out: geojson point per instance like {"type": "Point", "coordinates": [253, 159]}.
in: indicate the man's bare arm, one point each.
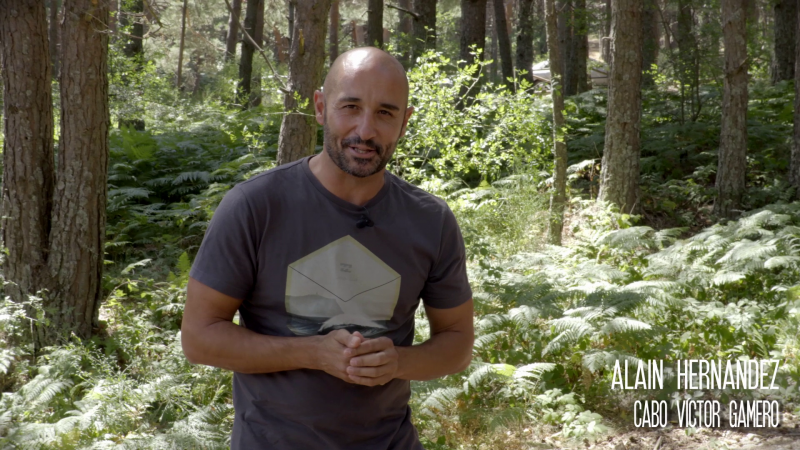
{"type": "Point", "coordinates": [208, 336]}
{"type": "Point", "coordinates": [449, 350]}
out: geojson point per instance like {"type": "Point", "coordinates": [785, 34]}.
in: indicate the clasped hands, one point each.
{"type": "Point", "coordinates": [358, 360]}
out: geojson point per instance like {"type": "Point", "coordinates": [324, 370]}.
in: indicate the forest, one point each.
{"type": "Point", "coordinates": [625, 175]}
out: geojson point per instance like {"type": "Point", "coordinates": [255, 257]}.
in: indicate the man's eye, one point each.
{"type": "Point", "coordinates": [385, 112]}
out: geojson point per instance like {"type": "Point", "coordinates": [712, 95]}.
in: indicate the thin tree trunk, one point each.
{"type": "Point", "coordinates": [732, 164]}
{"type": "Point", "coordinates": [292, 6]}
{"type": "Point", "coordinates": [423, 29]}
{"type": "Point", "coordinates": [28, 165]}
{"type": "Point", "coordinates": [567, 46]}
{"type": "Point", "coordinates": [619, 179]}
{"type": "Point", "coordinates": [650, 37]}
{"type": "Point", "coordinates": [794, 161]}
{"type": "Point", "coordinates": [375, 23]}
{"type": "Point", "coordinates": [525, 40]}
{"type": "Point", "coordinates": [785, 40]}
{"type": "Point", "coordinates": [404, 27]}
{"type": "Point", "coordinates": [473, 38]}
{"type": "Point", "coordinates": [333, 32]}
{"type": "Point", "coordinates": [605, 44]}
{"type": "Point", "coordinates": [55, 5]}
{"type": "Point", "coordinates": [298, 136]}
{"type": "Point", "coordinates": [254, 26]}
{"type": "Point", "coordinates": [134, 51]}
{"type": "Point", "coordinates": [179, 80]}
{"type": "Point", "coordinates": [501, 25]}
{"type": "Point", "coordinates": [493, 55]}
{"type": "Point", "coordinates": [558, 196]}
{"type": "Point", "coordinates": [580, 41]}
{"type": "Point", "coordinates": [233, 30]}
{"type": "Point", "coordinates": [79, 206]}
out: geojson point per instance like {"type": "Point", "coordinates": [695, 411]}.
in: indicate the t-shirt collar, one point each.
{"type": "Point", "coordinates": [387, 181]}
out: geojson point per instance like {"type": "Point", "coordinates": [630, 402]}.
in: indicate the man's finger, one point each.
{"type": "Point", "coordinates": [369, 381]}
{"type": "Point", "coordinates": [370, 360]}
{"type": "Point", "coordinates": [370, 346]}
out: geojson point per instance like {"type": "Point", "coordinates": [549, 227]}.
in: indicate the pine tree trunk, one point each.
{"type": "Point", "coordinates": [619, 180]}
{"type": "Point", "coordinates": [423, 29]}
{"type": "Point", "coordinates": [605, 44]}
{"type": "Point", "coordinates": [732, 165]}
{"type": "Point", "coordinates": [55, 5]}
{"type": "Point", "coordinates": [298, 136]}
{"type": "Point", "coordinates": [375, 23]}
{"type": "Point", "coordinates": [785, 40]}
{"type": "Point", "coordinates": [567, 46]}
{"type": "Point", "coordinates": [28, 164]}
{"type": "Point", "coordinates": [650, 37]}
{"type": "Point", "coordinates": [133, 50]}
{"type": "Point", "coordinates": [79, 205]}
{"type": "Point", "coordinates": [580, 41]}
{"type": "Point", "coordinates": [179, 78]}
{"type": "Point", "coordinates": [493, 52]}
{"type": "Point", "coordinates": [254, 26]}
{"type": "Point", "coordinates": [501, 25]}
{"type": "Point", "coordinates": [794, 162]}
{"type": "Point", "coordinates": [404, 27]}
{"type": "Point", "coordinates": [333, 32]}
{"type": "Point", "coordinates": [233, 30]}
{"type": "Point", "coordinates": [473, 40]}
{"type": "Point", "coordinates": [558, 196]}
{"type": "Point", "coordinates": [525, 40]}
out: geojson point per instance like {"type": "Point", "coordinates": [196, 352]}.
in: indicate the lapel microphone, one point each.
{"type": "Point", "coordinates": [364, 221]}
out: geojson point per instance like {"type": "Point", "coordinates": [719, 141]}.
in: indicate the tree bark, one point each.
{"type": "Point", "coordinates": [580, 41]}
{"type": "Point", "coordinates": [558, 196]}
{"type": "Point", "coordinates": [423, 28]}
{"type": "Point", "coordinates": [473, 39]}
{"type": "Point", "coordinates": [134, 51]}
{"type": "Point", "coordinates": [55, 5]}
{"type": "Point", "coordinates": [650, 37]}
{"type": "Point", "coordinates": [298, 136]}
{"type": "Point", "coordinates": [179, 80]}
{"type": "Point", "coordinates": [233, 30]}
{"type": "Point", "coordinates": [333, 32]}
{"type": "Point", "coordinates": [619, 180]}
{"type": "Point", "coordinates": [492, 50]}
{"type": "Point", "coordinates": [785, 40]}
{"type": "Point", "coordinates": [254, 26]}
{"type": "Point", "coordinates": [501, 25]}
{"type": "Point", "coordinates": [732, 164]}
{"type": "Point", "coordinates": [794, 161]}
{"type": "Point", "coordinates": [28, 164]}
{"type": "Point", "coordinates": [525, 40]}
{"type": "Point", "coordinates": [375, 23]}
{"type": "Point", "coordinates": [405, 25]}
{"type": "Point", "coordinates": [79, 205]}
{"type": "Point", "coordinates": [605, 44]}
{"type": "Point", "coordinates": [566, 46]}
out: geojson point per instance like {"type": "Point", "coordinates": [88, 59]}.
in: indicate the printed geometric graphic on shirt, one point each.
{"type": "Point", "coordinates": [341, 285]}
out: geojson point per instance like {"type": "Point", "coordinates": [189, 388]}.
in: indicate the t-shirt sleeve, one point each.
{"type": "Point", "coordinates": [227, 259]}
{"type": "Point", "coordinates": [447, 285]}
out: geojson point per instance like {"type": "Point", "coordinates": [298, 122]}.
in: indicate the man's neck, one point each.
{"type": "Point", "coordinates": [355, 190]}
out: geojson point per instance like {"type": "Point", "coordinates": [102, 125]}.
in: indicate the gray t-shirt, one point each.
{"type": "Point", "coordinates": [292, 251]}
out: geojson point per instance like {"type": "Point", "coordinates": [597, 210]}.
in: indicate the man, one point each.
{"type": "Point", "coordinates": [326, 259]}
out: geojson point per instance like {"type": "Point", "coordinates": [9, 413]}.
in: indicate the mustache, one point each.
{"type": "Point", "coordinates": [355, 140]}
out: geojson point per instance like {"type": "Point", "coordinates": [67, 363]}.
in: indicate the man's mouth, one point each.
{"type": "Point", "coordinates": [362, 151]}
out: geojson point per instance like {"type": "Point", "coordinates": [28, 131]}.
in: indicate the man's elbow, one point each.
{"type": "Point", "coordinates": [190, 347]}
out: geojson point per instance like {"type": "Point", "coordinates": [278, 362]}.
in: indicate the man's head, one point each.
{"type": "Point", "coordinates": [363, 110]}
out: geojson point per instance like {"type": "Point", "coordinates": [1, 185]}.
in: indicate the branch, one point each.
{"type": "Point", "coordinates": [407, 11]}
{"type": "Point", "coordinates": [283, 88]}
{"type": "Point", "coordinates": [153, 13]}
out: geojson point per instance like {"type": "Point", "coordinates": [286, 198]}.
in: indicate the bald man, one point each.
{"type": "Point", "coordinates": [326, 260]}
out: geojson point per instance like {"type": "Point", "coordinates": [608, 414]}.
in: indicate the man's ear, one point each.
{"type": "Point", "coordinates": [319, 107]}
{"type": "Point", "coordinates": [409, 111]}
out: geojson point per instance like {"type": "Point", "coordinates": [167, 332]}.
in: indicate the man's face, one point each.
{"type": "Point", "coordinates": [363, 119]}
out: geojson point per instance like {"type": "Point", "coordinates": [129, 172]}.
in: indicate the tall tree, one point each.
{"type": "Point", "coordinates": [233, 30]}
{"type": "Point", "coordinates": [619, 179]}
{"type": "Point", "coordinates": [423, 29]}
{"type": "Point", "coordinates": [375, 23]}
{"type": "Point", "coordinates": [688, 63]}
{"type": "Point", "coordinates": [504, 43]}
{"type": "Point", "coordinates": [794, 161]}
{"type": "Point", "coordinates": [55, 5]}
{"type": "Point", "coordinates": [179, 78]}
{"type": "Point", "coordinates": [333, 33]}
{"type": "Point", "coordinates": [605, 43]}
{"type": "Point", "coordinates": [28, 164]}
{"type": "Point", "coordinates": [580, 42]}
{"type": "Point", "coordinates": [650, 37]}
{"type": "Point", "coordinates": [132, 18]}
{"type": "Point", "coordinates": [566, 46]}
{"type": "Point", "coordinates": [525, 39]}
{"type": "Point", "coordinates": [298, 135]}
{"type": "Point", "coordinates": [785, 40]}
{"type": "Point", "coordinates": [558, 196]}
{"type": "Point", "coordinates": [473, 36]}
{"type": "Point", "coordinates": [254, 27]}
{"type": "Point", "coordinates": [732, 163]}
{"type": "Point", "coordinates": [405, 25]}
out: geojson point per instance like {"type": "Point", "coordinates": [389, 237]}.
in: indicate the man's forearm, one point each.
{"type": "Point", "coordinates": [444, 353]}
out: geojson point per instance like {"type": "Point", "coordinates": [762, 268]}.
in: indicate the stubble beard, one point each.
{"type": "Point", "coordinates": [358, 167]}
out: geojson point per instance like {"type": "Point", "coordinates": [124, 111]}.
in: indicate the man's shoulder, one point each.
{"type": "Point", "coordinates": [417, 197]}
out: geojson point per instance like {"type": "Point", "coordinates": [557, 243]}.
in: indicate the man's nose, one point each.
{"type": "Point", "coordinates": [366, 127]}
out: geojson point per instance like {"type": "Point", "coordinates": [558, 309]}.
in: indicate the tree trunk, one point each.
{"type": "Point", "coordinates": [79, 203]}
{"type": "Point", "coordinates": [55, 5]}
{"type": "Point", "coordinates": [619, 180]}
{"type": "Point", "coordinates": [566, 46]}
{"type": "Point", "coordinates": [794, 161]}
{"type": "Point", "coordinates": [179, 80]}
{"type": "Point", "coordinates": [291, 7]}
{"type": "Point", "coordinates": [525, 40]}
{"type": "Point", "coordinates": [405, 25]}
{"type": "Point", "coordinates": [650, 37]}
{"type": "Point", "coordinates": [605, 44]}
{"type": "Point", "coordinates": [493, 56]}
{"type": "Point", "coordinates": [580, 41]}
{"type": "Point", "coordinates": [134, 51]}
{"type": "Point", "coordinates": [28, 165]}
{"type": "Point", "coordinates": [785, 40]}
{"type": "Point", "coordinates": [732, 165]}
{"type": "Point", "coordinates": [254, 26]}
{"type": "Point", "coordinates": [298, 136]}
{"type": "Point", "coordinates": [333, 32]}
{"type": "Point", "coordinates": [233, 30]}
{"type": "Point", "coordinates": [375, 23]}
{"type": "Point", "coordinates": [473, 39]}
{"type": "Point", "coordinates": [688, 63]}
{"type": "Point", "coordinates": [501, 25]}
{"type": "Point", "coordinates": [423, 29]}
{"type": "Point", "coordinates": [558, 196]}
